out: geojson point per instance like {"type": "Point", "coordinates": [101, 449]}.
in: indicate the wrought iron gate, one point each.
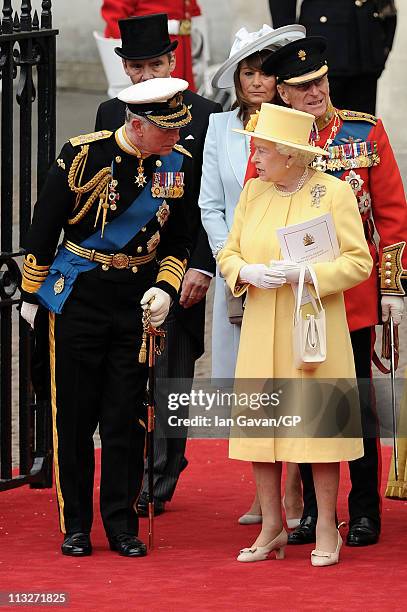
{"type": "Point", "coordinates": [28, 77]}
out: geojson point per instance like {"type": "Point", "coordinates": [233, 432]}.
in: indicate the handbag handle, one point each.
{"type": "Point", "coordinates": [301, 282]}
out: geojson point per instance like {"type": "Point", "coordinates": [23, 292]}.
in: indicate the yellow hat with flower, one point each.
{"type": "Point", "coordinates": [283, 125]}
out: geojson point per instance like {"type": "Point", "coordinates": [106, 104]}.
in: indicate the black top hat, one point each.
{"type": "Point", "coordinates": [298, 62]}
{"type": "Point", "coordinates": [145, 37]}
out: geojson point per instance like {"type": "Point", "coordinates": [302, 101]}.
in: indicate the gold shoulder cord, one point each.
{"type": "Point", "coordinates": [98, 183]}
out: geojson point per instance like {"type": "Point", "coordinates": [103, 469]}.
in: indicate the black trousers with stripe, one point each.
{"type": "Point", "coordinates": [96, 379]}
{"type": "Point", "coordinates": [176, 362]}
{"type": "Point", "coordinates": [364, 498]}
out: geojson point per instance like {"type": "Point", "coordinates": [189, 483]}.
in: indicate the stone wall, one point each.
{"type": "Point", "coordinates": [79, 66]}
{"type": "Point", "coordinates": [78, 61]}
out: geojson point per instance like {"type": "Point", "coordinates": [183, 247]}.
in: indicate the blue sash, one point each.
{"type": "Point", "coordinates": [116, 235]}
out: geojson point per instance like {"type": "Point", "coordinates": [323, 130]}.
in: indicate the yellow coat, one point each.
{"type": "Point", "coordinates": [265, 350]}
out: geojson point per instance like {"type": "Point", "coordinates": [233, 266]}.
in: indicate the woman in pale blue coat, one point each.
{"type": "Point", "coordinates": [223, 173]}
{"type": "Point", "coordinates": [225, 161]}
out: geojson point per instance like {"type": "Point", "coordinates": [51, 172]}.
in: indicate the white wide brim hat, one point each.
{"type": "Point", "coordinates": [247, 43]}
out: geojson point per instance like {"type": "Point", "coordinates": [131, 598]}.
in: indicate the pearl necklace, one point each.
{"type": "Point", "coordinates": [287, 194]}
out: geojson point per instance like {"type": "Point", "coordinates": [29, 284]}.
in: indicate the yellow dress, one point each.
{"type": "Point", "coordinates": [265, 350]}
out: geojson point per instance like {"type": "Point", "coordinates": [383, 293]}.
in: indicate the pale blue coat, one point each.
{"type": "Point", "coordinates": [224, 168]}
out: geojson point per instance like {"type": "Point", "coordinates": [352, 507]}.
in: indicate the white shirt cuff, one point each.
{"type": "Point", "coordinates": [203, 272]}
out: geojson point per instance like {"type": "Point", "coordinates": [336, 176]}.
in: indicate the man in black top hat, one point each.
{"type": "Point", "coordinates": [147, 53]}
{"type": "Point", "coordinates": [360, 36]}
{"type": "Point", "coordinates": [360, 154]}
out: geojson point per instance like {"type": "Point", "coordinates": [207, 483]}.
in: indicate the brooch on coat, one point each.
{"type": "Point", "coordinates": [317, 192]}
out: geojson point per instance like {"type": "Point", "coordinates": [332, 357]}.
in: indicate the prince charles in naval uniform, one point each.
{"type": "Point", "coordinates": [120, 199]}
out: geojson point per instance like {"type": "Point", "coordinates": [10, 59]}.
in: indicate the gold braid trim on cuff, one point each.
{"type": "Point", "coordinates": [30, 261]}
{"type": "Point", "coordinates": [30, 286]}
{"type": "Point", "coordinates": [391, 271]}
{"type": "Point", "coordinates": [172, 271]}
{"type": "Point", "coordinates": [33, 274]}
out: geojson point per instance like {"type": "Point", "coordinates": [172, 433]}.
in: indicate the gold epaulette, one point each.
{"type": "Point", "coordinates": [349, 115]}
{"type": "Point", "coordinates": [181, 149]}
{"type": "Point", "coordinates": [87, 138]}
{"type": "Point", "coordinates": [391, 270]}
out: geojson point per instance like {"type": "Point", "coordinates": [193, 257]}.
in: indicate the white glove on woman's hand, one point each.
{"type": "Point", "coordinates": [291, 270]}
{"type": "Point", "coordinates": [28, 312]}
{"type": "Point", "coordinates": [392, 305]}
{"type": "Point", "coordinates": [261, 276]}
{"type": "Point", "coordinates": [159, 306]}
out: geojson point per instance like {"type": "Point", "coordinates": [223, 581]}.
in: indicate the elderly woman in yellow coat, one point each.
{"type": "Point", "coordinates": [282, 195]}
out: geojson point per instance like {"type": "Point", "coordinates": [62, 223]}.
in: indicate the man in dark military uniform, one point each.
{"type": "Point", "coordinates": [120, 199]}
{"type": "Point", "coordinates": [360, 36]}
{"type": "Point", "coordinates": [147, 52]}
{"type": "Point", "coordinates": [359, 153]}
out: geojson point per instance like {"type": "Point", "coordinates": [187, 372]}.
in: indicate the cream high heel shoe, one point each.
{"type": "Point", "coordinates": [261, 553]}
{"type": "Point", "coordinates": [320, 558]}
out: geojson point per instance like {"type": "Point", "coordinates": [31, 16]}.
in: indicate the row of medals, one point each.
{"type": "Point", "coordinates": [164, 184]}
{"type": "Point", "coordinates": [336, 163]}
{"type": "Point", "coordinates": [361, 161]}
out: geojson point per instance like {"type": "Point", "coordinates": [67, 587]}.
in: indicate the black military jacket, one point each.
{"type": "Point", "coordinates": [359, 32]}
{"type": "Point", "coordinates": [58, 210]}
{"type": "Point", "coordinates": [110, 116]}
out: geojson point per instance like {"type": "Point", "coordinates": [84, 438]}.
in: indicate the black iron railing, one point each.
{"type": "Point", "coordinates": [28, 78]}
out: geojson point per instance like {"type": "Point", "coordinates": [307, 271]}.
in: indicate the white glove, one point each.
{"type": "Point", "coordinates": [159, 307]}
{"type": "Point", "coordinates": [392, 305]}
{"type": "Point", "coordinates": [290, 269]}
{"type": "Point", "coordinates": [261, 276]}
{"type": "Point", "coordinates": [28, 312]}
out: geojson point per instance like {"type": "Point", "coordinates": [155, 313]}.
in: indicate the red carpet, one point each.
{"type": "Point", "coordinates": [193, 564]}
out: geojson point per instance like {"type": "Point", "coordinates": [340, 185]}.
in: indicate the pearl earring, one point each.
{"type": "Point", "coordinates": [287, 165]}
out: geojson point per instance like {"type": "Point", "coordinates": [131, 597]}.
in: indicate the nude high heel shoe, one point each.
{"type": "Point", "coordinates": [320, 558]}
{"type": "Point", "coordinates": [261, 553]}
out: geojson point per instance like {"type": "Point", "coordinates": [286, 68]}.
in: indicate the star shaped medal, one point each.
{"type": "Point", "coordinates": [140, 179]}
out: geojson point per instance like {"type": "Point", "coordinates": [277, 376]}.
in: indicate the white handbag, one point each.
{"type": "Point", "coordinates": [309, 333]}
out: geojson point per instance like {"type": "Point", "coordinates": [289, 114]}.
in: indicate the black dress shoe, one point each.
{"type": "Point", "coordinates": [362, 532]}
{"type": "Point", "coordinates": [77, 545]}
{"type": "Point", "coordinates": [305, 532]}
{"type": "Point", "coordinates": [142, 506]}
{"type": "Point", "coordinates": [128, 545]}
